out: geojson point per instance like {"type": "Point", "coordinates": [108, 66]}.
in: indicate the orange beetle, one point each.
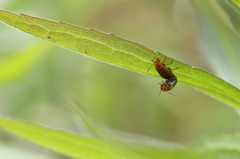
{"type": "Point", "coordinates": [169, 84]}
{"type": "Point", "coordinates": [166, 73]}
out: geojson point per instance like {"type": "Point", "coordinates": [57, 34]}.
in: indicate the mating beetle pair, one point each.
{"type": "Point", "coordinates": [166, 73]}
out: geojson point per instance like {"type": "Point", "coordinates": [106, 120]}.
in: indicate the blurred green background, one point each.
{"type": "Point", "coordinates": [39, 80]}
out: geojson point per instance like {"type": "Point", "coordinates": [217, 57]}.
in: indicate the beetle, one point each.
{"type": "Point", "coordinates": [169, 84]}
{"type": "Point", "coordinates": [163, 71]}
{"type": "Point", "coordinates": [166, 73]}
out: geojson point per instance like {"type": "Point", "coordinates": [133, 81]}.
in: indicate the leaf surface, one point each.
{"type": "Point", "coordinates": [225, 144]}
{"type": "Point", "coordinates": [65, 143]}
{"type": "Point", "coordinates": [120, 52]}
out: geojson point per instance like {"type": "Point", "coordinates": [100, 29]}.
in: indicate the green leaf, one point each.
{"type": "Point", "coordinates": [219, 41]}
{"type": "Point", "coordinates": [144, 145]}
{"type": "Point", "coordinates": [14, 65]}
{"type": "Point", "coordinates": [224, 145]}
{"type": "Point", "coordinates": [66, 143]}
{"type": "Point", "coordinates": [120, 52]}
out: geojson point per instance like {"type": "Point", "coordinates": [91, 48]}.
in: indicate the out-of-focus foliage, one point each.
{"type": "Point", "coordinates": [225, 145]}
{"type": "Point", "coordinates": [219, 41]}
{"type": "Point", "coordinates": [232, 10]}
{"type": "Point", "coordinates": [14, 65]}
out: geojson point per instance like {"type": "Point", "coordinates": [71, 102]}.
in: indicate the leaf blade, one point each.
{"type": "Point", "coordinates": [120, 52]}
{"type": "Point", "coordinates": [65, 143]}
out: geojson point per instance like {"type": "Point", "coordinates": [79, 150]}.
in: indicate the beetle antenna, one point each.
{"type": "Point", "coordinates": [174, 69]}
{"type": "Point", "coordinates": [159, 93]}
{"type": "Point", "coordinates": [151, 66]}
{"type": "Point", "coordinates": [164, 60]}
{"type": "Point", "coordinates": [171, 94]}
{"type": "Point", "coordinates": [160, 88]}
